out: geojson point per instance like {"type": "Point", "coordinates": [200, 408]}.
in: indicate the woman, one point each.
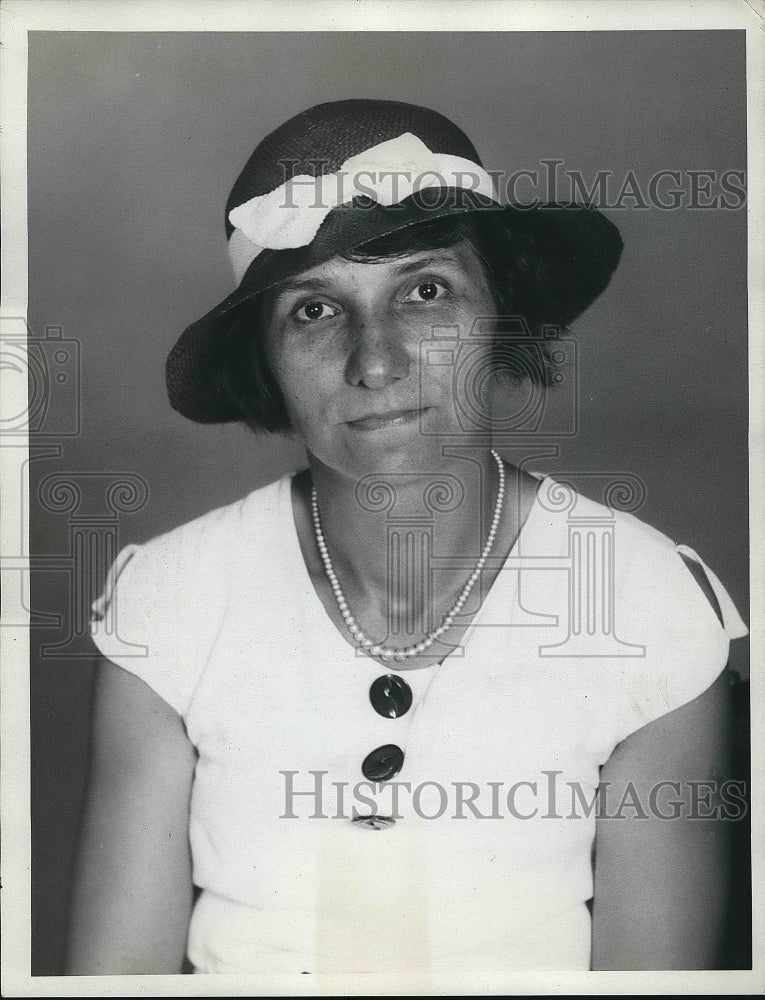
{"type": "Point", "coordinates": [366, 709]}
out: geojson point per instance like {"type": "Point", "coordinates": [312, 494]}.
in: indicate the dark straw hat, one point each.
{"type": "Point", "coordinates": [342, 174]}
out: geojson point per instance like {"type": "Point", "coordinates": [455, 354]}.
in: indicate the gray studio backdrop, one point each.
{"type": "Point", "coordinates": [134, 141]}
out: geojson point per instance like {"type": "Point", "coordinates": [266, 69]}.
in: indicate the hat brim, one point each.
{"type": "Point", "coordinates": [580, 246]}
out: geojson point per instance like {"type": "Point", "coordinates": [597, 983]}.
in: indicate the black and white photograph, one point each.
{"type": "Point", "coordinates": [376, 462]}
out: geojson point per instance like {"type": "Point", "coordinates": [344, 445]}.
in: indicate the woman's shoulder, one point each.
{"type": "Point", "coordinates": [667, 616]}
{"type": "Point", "coordinates": [568, 510]}
{"type": "Point", "coordinates": [218, 530]}
{"type": "Point", "coordinates": [192, 562]}
{"type": "Point", "coordinates": [164, 600]}
{"type": "Point", "coordinates": [649, 567]}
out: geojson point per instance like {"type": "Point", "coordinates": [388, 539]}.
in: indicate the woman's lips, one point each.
{"type": "Point", "coordinates": [393, 418]}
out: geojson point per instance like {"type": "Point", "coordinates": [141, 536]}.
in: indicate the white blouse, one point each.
{"type": "Point", "coordinates": [593, 628]}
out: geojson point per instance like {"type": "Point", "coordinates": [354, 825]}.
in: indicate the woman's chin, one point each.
{"type": "Point", "coordinates": [417, 454]}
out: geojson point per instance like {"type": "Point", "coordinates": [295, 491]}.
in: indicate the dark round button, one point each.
{"type": "Point", "coordinates": [391, 696]}
{"type": "Point", "coordinates": [382, 763]}
{"type": "Point", "coordinates": [373, 822]}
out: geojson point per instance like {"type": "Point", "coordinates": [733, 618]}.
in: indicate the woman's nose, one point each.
{"type": "Point", "coordinates": [378, 353]}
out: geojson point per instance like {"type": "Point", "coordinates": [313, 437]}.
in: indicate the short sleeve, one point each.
{"type": "Point", "coordinates": [680, 643]}
{"type": "Point", "coordinates": [145, 619]}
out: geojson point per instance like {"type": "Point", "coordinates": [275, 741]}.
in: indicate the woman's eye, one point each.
{"type": "Point", "coordinates": [426, 291]}
{"type": "Point", "coordinates": [312, 311]}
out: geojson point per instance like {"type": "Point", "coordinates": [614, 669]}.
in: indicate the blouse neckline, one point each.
{"type": "Point", "coordinates": [328, 632]}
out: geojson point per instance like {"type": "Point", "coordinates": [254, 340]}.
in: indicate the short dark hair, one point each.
{"type": "Point", "coordinates": [515, 270]}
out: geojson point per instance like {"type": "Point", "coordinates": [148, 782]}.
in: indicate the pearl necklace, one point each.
{"type": "Point", "coordinates": [387, 652]}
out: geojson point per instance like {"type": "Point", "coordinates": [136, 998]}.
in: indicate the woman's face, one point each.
{"type": "Point", "coordinates": [348, 345]}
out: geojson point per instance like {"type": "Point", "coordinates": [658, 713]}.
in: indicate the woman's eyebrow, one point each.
{"type": "Point", "coordinates": [407, 267]}
{"type": "Point", "coordinates": [438, 259]}
{"type": "Point", "coordinates": [300, 285]}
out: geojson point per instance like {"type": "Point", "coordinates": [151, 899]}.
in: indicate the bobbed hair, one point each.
{"type": "Point", "coordinates": [516, 271]}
